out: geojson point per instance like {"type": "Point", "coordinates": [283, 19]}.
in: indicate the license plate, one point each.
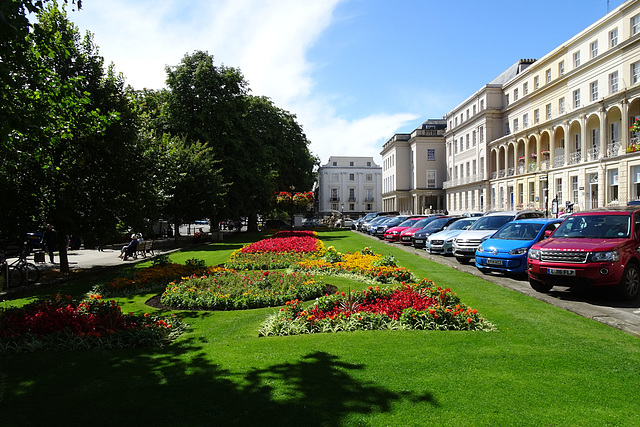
{"type": "Point", "coordinates": [419, 241]}
{"type": "Point", "coordinates": [561, 272]}
{"type": "Point", "coordinates": [494, 262]}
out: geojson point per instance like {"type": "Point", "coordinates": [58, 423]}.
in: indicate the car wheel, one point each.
{"type": "Point", "coordinates": [539, 286]}
{"type": "Point", "coordinates": [630, 284]}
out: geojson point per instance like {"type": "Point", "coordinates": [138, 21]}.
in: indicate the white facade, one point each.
{"type": "Point", "coordinates": [349, 185]}
{"type": "Point", "coordinates": [553, 128]}
{"type": "Point", "coordinates": [413, 170]}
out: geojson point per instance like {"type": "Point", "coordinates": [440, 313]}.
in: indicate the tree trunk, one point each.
{"type": "Point", "coordinates": [62, 253]}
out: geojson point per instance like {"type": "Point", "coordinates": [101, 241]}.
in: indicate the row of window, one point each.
{"type": "Point", "coordinates": [334, 177]}
{"type": "Point", "coordinates": [594, 94]}
{"type": "Point", "coordinates": [454, 121]}
{"type": "Point", "coordinates": [389, 162]}
{"type": "Point", "coordinates": [467, 141]}
{"type": "Point", "coordinates": [351, 207]}
{"type": "Point", "coordinates": [334, 194]}
{"type": "Point", "coordinates": [470, 167]}
{"type": "Point", "coordinates": [351, 164]}
{"type": "Point", "coordinates": [593, 53]}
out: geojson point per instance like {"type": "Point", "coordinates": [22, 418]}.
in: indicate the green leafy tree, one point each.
{"type": "Point", "coordinates": [74, 158]}
{"type": "Point", "coordinates": [260, 147]}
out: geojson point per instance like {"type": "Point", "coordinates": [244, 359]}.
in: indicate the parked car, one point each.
{"type": "Point", "coordinates": [506, 250]}
{"type": "Point", "coordinates": [465, 245]}
{"type": "Point", "coordinates": [419, 239]}
{"type": "Point", "coordinates": [442, 242]}
{"type": "Point", "coordinates": [594, 248]}
{"type": "Point", "coordinates": [276, 224]}
{"type": "Point", "coordinates": [374, 222]}
{"type": "Point", "coordinates": [311, 223]}
{"type": "Point", "coordinates": [406, 235]}
{"type": "Point", "coordinates": [382, 227]}
{"type": "Point", "coordinates": [371, 216]}
{"type": "Point", "coordinates": [393, 234]}
{"type": "Point", "coordinates": [344, 223]}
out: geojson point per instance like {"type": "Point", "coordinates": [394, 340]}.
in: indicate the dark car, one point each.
{"type": "Point", "coordinates": [419, 238]}
{"type": "Point", "coordinates": [276, 224]}
{"type": "Point", "coordinates": [393, 222]}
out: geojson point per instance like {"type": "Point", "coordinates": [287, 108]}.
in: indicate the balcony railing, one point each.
{"type": "Point", "coordinates": [502, 173]}
{"type": "Point", "coordinates": [532, 166]}
{"type": "Point", "coordinates": [352, 199]}
{"type": "Point", "coordinates": [593, 154]}
{"type": "Point", "coordinates": [558, 161]}
{"type": "Point", "coordinates": [520, 169]}
{"type": "Point", "coordinates": [574, 158]}
{"type": "Point", "coordinates": [613, 148]}
{"type": "Point", "coordinates": [334, 199]}
{"type": "Point", "coordinates": [494, 175]}
{"type": "Point", "coordinates": [544, 165]}
{"type": "Point", "coordinates": [511, 171]}
{"type": "Point", "coordinates": [369, 199]}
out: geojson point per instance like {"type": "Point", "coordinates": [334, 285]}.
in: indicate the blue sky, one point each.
{"type": "Point", "coordinates": [354, 72]}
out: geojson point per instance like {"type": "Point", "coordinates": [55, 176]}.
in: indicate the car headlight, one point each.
{"type": "Point", "coordinates": [518, 251]}
{"type": "Point", "coordinates": [485, 238]}
{"type": "Point", "coordinates": [608, 256]}
{"type": "Point", "coordinates": [534, 253]}
{"type": "Point", "coordinates": [480, 249]}
{"type": "Point", "coordinates": [449, 240]}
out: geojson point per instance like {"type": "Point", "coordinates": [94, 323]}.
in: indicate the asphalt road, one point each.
{"type": "Point", "coordinates": [601, 305]}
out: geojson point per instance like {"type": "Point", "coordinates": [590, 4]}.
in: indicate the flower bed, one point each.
{"type": "Point", "coordinates": [286, 241]}
{"type": "Point", "coordinates": [62, 323]}
{"type": "Point", "coordinates": [417, 306]}
{"type": "Point", "coordinates": [154, 277]}
{"type": "Point", "coordinates": [233, 290]}
{"type": "Point", "coordinates": [282, 250]}
{"type": "Point", "coordinates": [364, 264]}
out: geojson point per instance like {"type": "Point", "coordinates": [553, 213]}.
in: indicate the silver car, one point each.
{"type": "Point", "coordinates": [442, 242]}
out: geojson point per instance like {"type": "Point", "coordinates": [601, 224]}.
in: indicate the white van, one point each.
{"type": "Point", "coordinates": [465, 245]}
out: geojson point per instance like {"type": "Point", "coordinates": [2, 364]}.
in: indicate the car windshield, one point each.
{"type": "Point", "coordinates": [518, 231]}
{"type": "Point", "coordinates": [424, 221]}
{"type": "Point", "coordinates": [394, 221]}
{"type": "Point", "coordinates": [437, 224]}
{"type": "Point", "coordinates": [492, 222]}
{"type": "Point", "coordinates": [409, 222]}
{"type": "Point", "coordinates": [595, 227]}
{"type": "Point", "coordinates": [462, 224]}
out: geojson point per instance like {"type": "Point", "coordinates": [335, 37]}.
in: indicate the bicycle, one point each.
{"type": "Point", "coordinates": [19, 271]}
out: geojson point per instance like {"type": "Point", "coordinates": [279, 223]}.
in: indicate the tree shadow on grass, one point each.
{"type": "Point", "coordinates": [181, 385]}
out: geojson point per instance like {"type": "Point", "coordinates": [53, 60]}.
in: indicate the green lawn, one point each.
{"type": "Point", "coordinates": [544, 366]}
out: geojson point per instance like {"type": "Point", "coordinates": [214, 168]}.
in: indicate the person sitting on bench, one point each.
{"type": "Point", "coordinates": [130, 249]}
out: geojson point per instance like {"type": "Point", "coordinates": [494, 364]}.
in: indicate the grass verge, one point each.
{"type": "Point", "coordinates": [544, 366]}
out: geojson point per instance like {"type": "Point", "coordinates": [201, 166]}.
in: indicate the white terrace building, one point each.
{"type": "Point", "coordinates": [413, 169]}
{"type": "Point", "coordinates": [553, 128]}
{"type": "Point", "coordinates": [349, 185]}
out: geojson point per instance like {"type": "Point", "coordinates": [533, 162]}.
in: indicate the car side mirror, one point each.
{"type": "Point", "coordinates": [547, 234]}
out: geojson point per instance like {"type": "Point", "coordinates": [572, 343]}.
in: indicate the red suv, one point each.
{"type": "Point", "coordinates": [597, 248]}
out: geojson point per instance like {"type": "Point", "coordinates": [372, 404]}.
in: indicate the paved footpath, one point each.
{"type": "Point", "coordinates": [86, 259]}
{"type": "Point", "coordinates": [600, 305]}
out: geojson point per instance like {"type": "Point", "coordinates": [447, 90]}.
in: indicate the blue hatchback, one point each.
{"type": "Point", "coordinates": [506, 250]}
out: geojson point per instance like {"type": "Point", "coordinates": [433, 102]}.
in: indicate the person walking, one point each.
{"type": "Point", "coordinates": [50, 240]}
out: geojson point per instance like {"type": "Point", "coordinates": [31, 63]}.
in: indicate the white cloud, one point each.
{"type": "Point", "coordinates": [267, 40]}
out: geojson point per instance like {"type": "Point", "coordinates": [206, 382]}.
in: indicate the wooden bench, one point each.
{"type": "Point", "coordinates": [144, 248]}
